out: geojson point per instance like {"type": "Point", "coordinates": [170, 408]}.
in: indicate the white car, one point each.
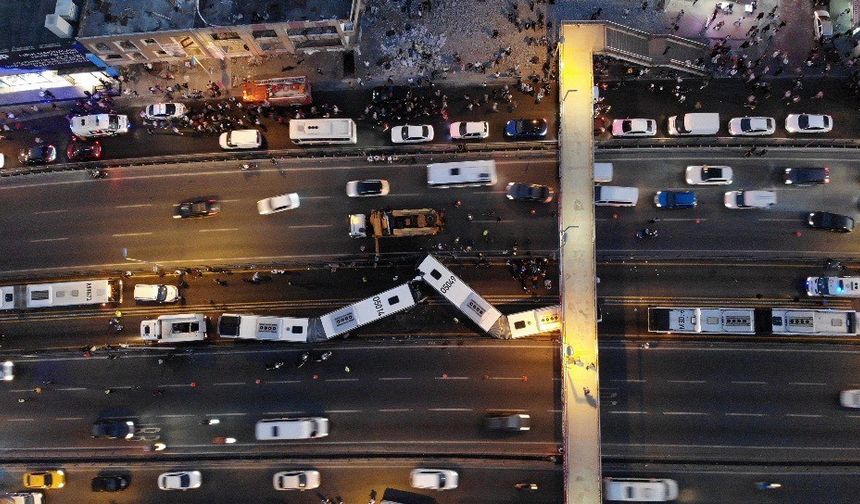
{"type": "Point", "coordinates": [808, 123]}
{"type": "Point", "coordinates": [278, 429]}
{"type": "Point", "coordinates": [411, 134]}
{"type": "Point", "coordinates": [822, 24]}
{"type": "Point", "coordinates": [640, 489]}
{"type": "Point", "coordinates": [469, 130]}
{"type": "Point", "coordinates": [159, 293]}
{"type": "Point", "coordinates": [180, 480]}
{"type": "Point", "coordinates": [367, 188]}
{"type": "Point", "coordinates": [831, 286]}
{"type": "Point", "coordinates": [7, 371]}
{"type": "Point", "coordinates": [296, 480]}
{"type": "Point", "coordinates": [709, 175]}
{"type": "Point", "coordinates": [22, 498]}
{"type": "Point", "coordinates": [739, 200]}
{"type": "Point", "coordinates": [850, 398]}
{"type": "Point", "coordinates": [161, 111]}
{"type": "Point", "coordinates": [278, 203]}
{"type": "Point", "coordinates": [752, 126]}
{"type": "Point", "coordinates": [434, 479]}
{"type": "Point", "coordinates": [634, 127]}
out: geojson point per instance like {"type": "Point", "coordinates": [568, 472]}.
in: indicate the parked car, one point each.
{"type": "Point", "coordinates": [515, 422]}
{"type": "Point", "coordinates": [640, 489]}
{"type": "Point", "coordinates": [434, 479]}
{"type": "Point", "coordinates": [752, 126]}
{"type": "Point", "coordinates": [822, 24]}
{"type": "Point", "coordinates": [709, 175]}
{"type": "Point", "coordinates": [109, 483]}
{"type": "Point", "coordinates": [526, 129]}
{"type": "Point", "coordinates": [158, 293]}
{"type": "Point", "coordinates": [278, 203]}
{"type": "Point", "coordinates": [808, 123]}
{"type": "Point", "coordinates": [180, 480]}
{"type": "Point", "coordinates": [367, 188]}
{"type": "Point", "coordinates": [469, 130]}
{"type": "Point", "coordinates": [529, 192]}
{"type": "Point", "coordinates": [296, 480]}
{"type": "Point", "coordinates": [161, 111]}
{"type": "Point", "coordinates": [7, 371]}
{"type": "Point", "coordinates": [411, 134]}
{"type": "Point", "coordinates": [850, 398]}
{"type": "Point", "coordinates": [22, 498]}
{"type": "Point", "coordinates": [198, 207]}
{"type": "Point", "coordinates": [38, 154]}
{"type": "Point", "coordinates": [84, 150]}
{"type": "Point", "coordinates": [673, 200]}
{"type": "Point", "coordinates": [634, 127]}
{"type": "Point", "coordinates": [831, 222]}
{"type": "Point", "coordinates": [113, 428]}
{"type": "Point", "coordinates": [45, 480]}
{"type": "Point", "coordinates": [807, 176]}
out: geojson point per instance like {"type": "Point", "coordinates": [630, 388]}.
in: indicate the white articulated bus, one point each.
{"type": "Point", "coordinates": [369, 310]}
{"type": "Point", "coordinates": [323, 131]}
{"type": "Point", "coordinates": [254, 327]}
{"type": "Point", "coordinates": [814, 322]}
{"type": "Point", "coordinates": [461, 174]}
{"type": "Point", "coordinates": [701, 320]}
{"type": "Point", "coordinates": [457, 292]}
{"type": "Point", "coordinates": [60, 294]}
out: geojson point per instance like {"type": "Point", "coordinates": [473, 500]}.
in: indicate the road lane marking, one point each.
{"type": "Point", "coordinates": [316, 197]}
{"type": "Point", "coordinates": [692, 413]}
{"type": "Point", "coordinates": [811, 384]}
{"type": "Point", "coordinates": [747, 414]}
{"type": "Point", "coordinates": [492, 221]}
{"type": "Point", "coordinates": [626, 381]}
{"type": "Point", "coordinates": [174, 385]}
{"type": "Point", "coordinates": [46, 212]}
{"type": "Point", "coordinates": [70, 389]}
{"type": "Point", "coordinates": [749, 382]}
{"type": "Point", "coordinates": [19, 419]}
{"type": "Point", "coordinates": [226, 414]}
{"type": "Point", "coordinates": [393, 410]}
{"type": "Point", "coordinates": [341, 379]}
{"type": "Point", "coordinates": [228, 383]}
{"type": "Point", "coordinates": [139, 205]}
{"type": "Point", "coordinates": [220, 230]}
{"type": "Point", "coordinates": [686, 381]}
{"type": "Point", "coordinates": [778, 219]}
{"type": "Point", "coordinates": [48, 240]}
{"type": "Point", "coordinates": [123, 235]}
{"type": "Point", "coordinates": [515, 378]}
{"type": "Point", "coordinates": [628, 412]}
{"type": "Point", "coordinates": [343, 411]}
{"type": "Point", "coordinates": [282, 381]}
{"type": "Point", "coordinates": [312, 226]}
{"type": "Point", "coordinates": [801, 415]}
{"type": "Point", "coordinates": [450, 409]}
{"type": "Point", "coordinates": [452, 378]}
{"type": "Point", "coordinates": [283, 412]}
{"type": "Point", "coordinates": [393, 378]}
{"type": "Point", "coordinates": [178, 415]}
{"type": "Point", "coordinates": [407, 194]}
{"type": "Point", "coordinates": [63, 419]}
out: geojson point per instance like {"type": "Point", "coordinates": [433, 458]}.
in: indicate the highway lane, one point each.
{"type": "Point", "coordinates": [481, 481]}
{"type": "Point", "coordinates": [418, 399]}
{"type": "Point", "coordinates": [728, 402]}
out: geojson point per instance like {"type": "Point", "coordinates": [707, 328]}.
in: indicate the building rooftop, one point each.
{"type": "Point", "coordinates": [25, 24]}
{"type": "Point", "coordinates": [112, 17]}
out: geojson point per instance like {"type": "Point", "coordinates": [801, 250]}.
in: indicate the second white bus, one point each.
{"type": "Point", "coordinates": [323, 131]}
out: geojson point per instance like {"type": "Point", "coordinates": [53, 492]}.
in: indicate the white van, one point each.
{"type": "Point", "coordinates": [98, 125]}
{"type": "Point", "coordinates": [156, 293]}
{"type": "Point", "coordinates": [179, 328]}
{"type": "Point", "coordinates": [461, 174]}
{"type": "Point", "coordinates": [696, 123]}
{"type": "Point", "coordinates": [291, 428]}
{"type": "Point", "coordinates": [749, 199]}
{"type": "Point", "coordinates": [616, 196]}
{"type": "Point", "coordinates": [241, 139]}
{"type": "Point", "coordinates": [603, 172]}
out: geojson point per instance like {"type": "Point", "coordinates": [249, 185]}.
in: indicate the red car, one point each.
{"type": "Point", "coordinates": [81, 150]}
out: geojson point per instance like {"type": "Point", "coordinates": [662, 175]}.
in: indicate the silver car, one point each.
{"type": "Point", "coordinates": [640, 489]}
{"type": "Point", "coordinates": [296, 480]}
{"type": "Point", "coordinates": [278, 203]}
{"type": "Point", "coordinates": [180, 480]}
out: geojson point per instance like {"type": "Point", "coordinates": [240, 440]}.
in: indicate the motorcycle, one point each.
{"type": "Point", "coordinates": [211, 421]}
{"type": "Point", "coordinates": [223, 440]}
{"type": "Point", "coordinates": [647, 233]}
{"type": "Point", "coordinates": [275, 365]}
{"type": "Point", "coordinates": [303, 359]}
{"type": "Point", "coordinates": [526, 486]}
{"type": "Point", "coordinates": [98, 173]}
{"type": "Point", "coordinates": [323, 356]}
{"type": "Point", "coordinates": [767, 485]}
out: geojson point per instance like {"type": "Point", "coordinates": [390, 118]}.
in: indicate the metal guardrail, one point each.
{"type": "Point", "coordinates": [736, 142]}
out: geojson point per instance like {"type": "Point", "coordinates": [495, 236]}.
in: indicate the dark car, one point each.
{"type": "Point", "coordinates": [807, 176]}
{"type": "Point", "coordinates": [526, 129]}
{"type": "Point", "coordinates": [111, 483]}
{"type": "Point", "coordinates": [517, 422]}
{"type": "Point", "coordinates": [675, 199]}
{"type": "Point", "coordinates": [113, 428]}
{"type": "Point", "coordinates": [831, 222]}
{"type": "Point", "coordinates": [200, 207]}
{"type": "Point", "coordinates": [529, 192]}
{"type": "Point", "coordinates": [38, 154]}
{"type": "Point", "coordinates": [81, 150]}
